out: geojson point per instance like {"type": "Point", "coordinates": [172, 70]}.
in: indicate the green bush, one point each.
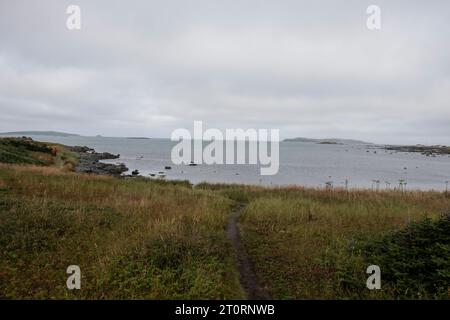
{"type": "Point", "coordinates": [414, 261]}
{"type": "Point", "coordinates": [19, 151]}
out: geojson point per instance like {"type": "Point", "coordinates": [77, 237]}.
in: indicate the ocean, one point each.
{"type": "Point", "coordinates": [301, 163]}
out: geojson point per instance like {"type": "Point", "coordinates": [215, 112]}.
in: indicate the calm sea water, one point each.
{"type": "Point", "coordinates": [307, 164]}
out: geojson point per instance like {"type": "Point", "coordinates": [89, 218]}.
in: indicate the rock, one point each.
{"type": "Point", "coordinates": [89, 162]}
{"type": "Point", "coordinates": [167, 167]}
{"type": "Point", "coordinates": [80, 149]}
{"type": "Point", "coordinates": [135, 172]}
{"type": "Point", "coordinates": [425, 150]}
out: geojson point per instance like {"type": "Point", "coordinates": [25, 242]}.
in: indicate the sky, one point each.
{"type": "Point", "coordinates": [308, 68]}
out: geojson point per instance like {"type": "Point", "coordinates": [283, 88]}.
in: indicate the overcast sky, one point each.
{"type": "Point", "coordinates": [308, 68]}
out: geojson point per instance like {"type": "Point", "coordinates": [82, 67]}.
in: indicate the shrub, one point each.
{"type": "Point", "coordinates": [414, 261]}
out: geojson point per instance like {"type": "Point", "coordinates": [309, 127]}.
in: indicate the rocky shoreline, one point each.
{"type": "Point", "coordinates": [429, 151]}
{"type": "Point", "coordinates": [89, 162]}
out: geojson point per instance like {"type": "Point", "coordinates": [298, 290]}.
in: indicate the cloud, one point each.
{"type": "Point", "coordinates": [148, 67]}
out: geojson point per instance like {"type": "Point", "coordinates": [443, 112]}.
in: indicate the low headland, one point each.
{"type": "Point", "coordinates": [141, 238]}
{"type": "Point", "coordinates": [89, 161]}
{"type": "Point", "coordinates": [429, 151]}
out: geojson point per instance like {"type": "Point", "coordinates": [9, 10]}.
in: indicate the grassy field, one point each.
{"type": "Point", "coordinates": [317, 244]}
{"type": "Point", "coordinates": [131, 238]}
{"type": "Point", "coordinates": [136, 238]}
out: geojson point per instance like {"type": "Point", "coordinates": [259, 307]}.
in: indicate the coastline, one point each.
{"type": "Point", "coordinates": [225, 241]}
{"type": "Point", "coordinates": [361, 166]}
{"type": "Point", "coordinates": [89, 161]}
{"type": "Point", "coordinates": [429, 151]}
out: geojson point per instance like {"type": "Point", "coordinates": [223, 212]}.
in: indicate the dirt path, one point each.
{"type": "Point", "coordinates": [248, 279]}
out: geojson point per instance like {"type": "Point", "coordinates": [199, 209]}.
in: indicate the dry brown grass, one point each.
{"type": "Point", "coordinates": [132, 238]}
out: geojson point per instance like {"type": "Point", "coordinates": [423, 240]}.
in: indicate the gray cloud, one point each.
{"type": "Point", "coordinates": [307, 68]}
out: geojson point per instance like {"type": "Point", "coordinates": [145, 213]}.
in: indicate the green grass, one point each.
{"type": "Point", "coordinates": [29, 152]}
{"type": "Point", "coordinates": [138, 238]}
{"type": "Point", "coordinates": [14, 150]}
{"type": "Point", "coordinates": [302, 241]}
{"type": "Point", "coordinates": [132, 238]}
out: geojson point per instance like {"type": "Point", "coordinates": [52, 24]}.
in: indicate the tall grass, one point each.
{"type": "Point", "coordinates": [145, 239]}
{"type": "Point", "coordinates": [299, 238]}
{"type": "Point", "coordinates": [131, 238]}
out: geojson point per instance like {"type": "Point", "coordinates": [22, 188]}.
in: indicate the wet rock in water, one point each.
{"type": "Point", "coordinates": [135, 172]}
{"type": "Point", "coordinates": [167, 167]}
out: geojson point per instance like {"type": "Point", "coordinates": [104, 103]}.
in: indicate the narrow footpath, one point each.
{"type": "Point", "coordinates": [249, 281]}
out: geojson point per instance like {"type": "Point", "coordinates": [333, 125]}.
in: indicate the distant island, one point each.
{"type": "Point", "coordinates": [429, 151]}
{"type": "Point", "coordinates": [39, 133]}
{"type": "Point", "coordinates": [138, 138]}
{"type": "Point", "coordinates": [326, 141]}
